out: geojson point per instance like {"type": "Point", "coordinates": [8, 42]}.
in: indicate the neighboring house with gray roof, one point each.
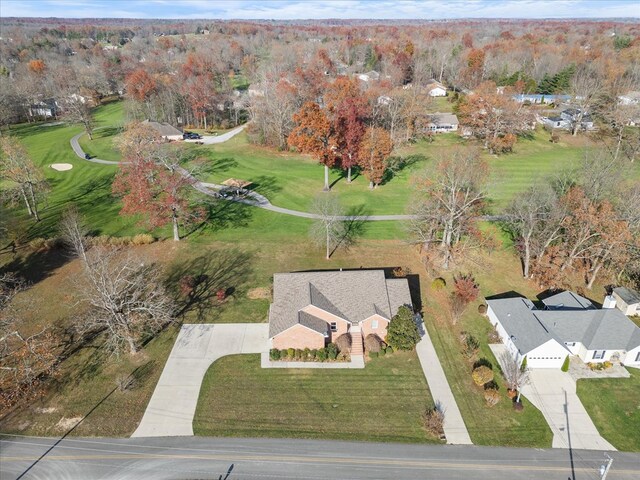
{"type": "Point", "coordinates": [627, 300]}
{"type": "Point", "coordinates": [569, 324]}
{"type": "Point", "coordinates": [567, 301]}
{"type": "Point", "coordinates": [310, 309]}
{"type": "Point", "coordinates": [442, 122]}
{"type": "Point", "coordinates": [166, 130]}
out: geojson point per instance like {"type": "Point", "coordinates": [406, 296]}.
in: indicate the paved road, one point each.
{"type": "Point", "coordinates": [254, 199]}
{"type": "Point", "coordinates": [454, 428]}
{"type": "Point", "coordinates": [269, 459]}
{"type": "Point", "coordinates": [173, 403]}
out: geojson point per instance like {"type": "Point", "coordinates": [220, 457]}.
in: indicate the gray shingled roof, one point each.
{"type": "Point", "coordinates": [517, 317]}
{"type": "Point", "coordinates": [164, 129]}
{"type": "Point", "coordinates": [352, 295]}
{"type": "Point", "coordinates": [606, 329]}
{"type": "Point", "coordinates": [314, 323]}
{"type": "Point", "coordinates": [630, 297]}
{"type": "Point", "coordinates": [443, 119]}
{"type": "Point", "coordinates": [567, 301]}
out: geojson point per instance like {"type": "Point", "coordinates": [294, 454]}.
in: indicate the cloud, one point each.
{"type": "Point", "coordinates": [317, 9]}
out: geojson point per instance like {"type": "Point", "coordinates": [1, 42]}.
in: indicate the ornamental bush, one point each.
{"type": "Point", "coordinates": [274, 354]}
{"type": "Point", "coordinates": [565, 365]}
{"type": "Point", "coordinates": [343, 342]}
{"type": "Point", "coordinates": [438, 283]}
{"type": "Point", "coordinates": [332, 351]}
{"type": "Point", "coordinates": [372, 343]}
{"type": "Point", "coordinates": [322, 354]}
{"type": "Point", "coordinates": [402, 332]}
{"type": "Point", "coordinates": [491, 396]}
{"type": "Point", "coordinates": [291, 352]}
{"type": "Point", "coordinates": [433, 421]}
{"type": "Point", "coordinates": [482, 375]}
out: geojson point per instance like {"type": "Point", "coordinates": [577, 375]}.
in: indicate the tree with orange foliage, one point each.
{"type": "Point", "coordinates": [314, 135]}
{"type": "Point", "coordinates": [347, 109]}
{"type": "Point", "coordinates": [140, 85]}
{"type": "Point", "coordinates": [37, 66]}
{"type": "Point", "coordinates": [494, 118]}
{"type": "Point", "coordinates": [375, 148]}
{"type": "Point", "coordinates": [152, 184]}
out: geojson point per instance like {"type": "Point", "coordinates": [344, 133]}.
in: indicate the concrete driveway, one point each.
{"type": "Point", "coordinates": [173, 404]}
{"type": "Point", "coordinates": [213, 139]}
{"type": "Point", "coordinates": [553, 392]}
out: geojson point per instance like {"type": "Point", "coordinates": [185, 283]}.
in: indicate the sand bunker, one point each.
{"type": "Point", "coordinates": [61, 167]}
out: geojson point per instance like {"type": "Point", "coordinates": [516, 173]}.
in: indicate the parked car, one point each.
{"type": "Point", "coordinates": [191, 136]}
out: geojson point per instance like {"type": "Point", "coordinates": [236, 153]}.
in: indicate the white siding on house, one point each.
{"type": "Point", "coordinates": [437, 92]}
{"type": "Point", "coordinates": [630, 358]}
{"type": "Point", "coordinates": [548, 355]}
{"type": "Point", "coordinates": [506, 340]}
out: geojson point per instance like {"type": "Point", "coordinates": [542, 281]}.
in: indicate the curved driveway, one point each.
{"type": "Point", "coordinates": [173, 403]}
{"type": "Point", "coordinates": [254, 199]}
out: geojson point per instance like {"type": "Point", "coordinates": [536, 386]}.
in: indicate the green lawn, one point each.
{"type": "Point", "coordinates": [614, 406]}
{"type": "Point", "coordinates": [382, 402]}
{"type": "Point", "coordinates": [496, 273]}
{"type": "Point", "coordinates": [290, 180]}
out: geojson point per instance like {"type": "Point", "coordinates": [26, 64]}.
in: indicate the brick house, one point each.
{"type": "Point", "coordinates": [311, 309]}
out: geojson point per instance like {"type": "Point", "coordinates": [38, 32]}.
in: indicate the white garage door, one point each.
{"type": "Point", "coordinates": [544, 362]}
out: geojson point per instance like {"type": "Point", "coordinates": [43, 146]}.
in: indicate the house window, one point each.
{"type": "Point", "coordinates": [374, 324]}
{"type": "Point", "coordinates": [570, 344]}
{"type": "Point", "coordinates": [334, 327]}
{"type": "Point", "coordinates": [598, 354]}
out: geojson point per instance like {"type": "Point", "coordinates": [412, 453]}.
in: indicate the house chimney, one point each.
{"type": "Point", "coordinates": [609, 302]}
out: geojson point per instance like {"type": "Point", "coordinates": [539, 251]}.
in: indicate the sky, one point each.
{"type": "Point", "coordinates": [317, 9]}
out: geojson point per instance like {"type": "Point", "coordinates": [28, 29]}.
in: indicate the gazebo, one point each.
{"type": "Point", "coordinates": [236, 184]}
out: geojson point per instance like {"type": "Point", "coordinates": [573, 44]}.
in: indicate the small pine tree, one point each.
{"type": "Point", "coordinates": [565, 365]}
{"type": "Point", "coordinates": [402, 333]}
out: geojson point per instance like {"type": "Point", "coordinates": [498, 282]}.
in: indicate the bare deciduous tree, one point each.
{"type": "Point", "coordinates": [126, 296]}
{"type": "Point", "coordinates": [16, 166]}
{"type": "Point", "coordinates": [329, 228]}
{"type": "Point", "coordinates": [77, 110]}
{"type": "Point", "coordinates": [586, 85]}
{"type": "Point", "coordinates": [451, 196]}
{"type": "Point", "coordinates": [24, 357]}
{"type": "Point", "coordinates": [530, 219]}
{"type": "Point", "coordinates": [515, 376]}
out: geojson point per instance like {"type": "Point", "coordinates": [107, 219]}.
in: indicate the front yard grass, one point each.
{"type": "Point", "coordinates": [382, 403]}
{"type": "Point", "coordinates": [614, 406]}
{"type": "Point", "coordinates": [496, 273]}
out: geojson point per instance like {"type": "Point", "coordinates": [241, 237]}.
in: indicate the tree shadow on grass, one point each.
{"type": "Point", "coordinates": [36, 266]}
{"type": "Point", "coordinates": [203, 165]}
{"type": "Point", "coordinates": [266, 185]}
{"type": "Point", "coordinates": [222, 214]}
{"type": "Point", "coordinates": [195, 283]}
{"type": "Point", "coordinates": [354, 228]}
{"type": "Point", "coordinates": [138, 372]}
{"type": "Point", "coordinates": [397, 164]}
